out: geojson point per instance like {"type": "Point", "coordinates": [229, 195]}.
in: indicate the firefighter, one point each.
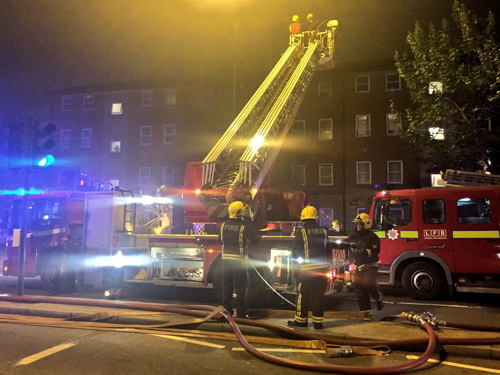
{"type": "Point", "coordinates": [235, 235]}
{"type": "Point", "coordinates": [336, 229]}
{"type": "Point", "coordinates": [364, 249]}
{"type": "Point", "coordinates": [312, 24]}
{"type": "Point", "coordinates": [310, 253]}
{"type": "Point", "coordinates": [295, 26]}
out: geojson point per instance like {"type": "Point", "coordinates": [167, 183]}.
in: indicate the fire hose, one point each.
{"type": "Point", "coordinates": [425, 321]}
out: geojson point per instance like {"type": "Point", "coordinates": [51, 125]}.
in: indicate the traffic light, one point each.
{"type": "Point", "coordinates": [42, 144]}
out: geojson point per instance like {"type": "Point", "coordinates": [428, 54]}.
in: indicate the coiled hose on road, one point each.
{"type": "Point", "coordinates": [203, 310]}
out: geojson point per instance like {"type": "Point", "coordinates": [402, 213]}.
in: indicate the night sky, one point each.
{"type": "Point", "coordinates": [65, 43]}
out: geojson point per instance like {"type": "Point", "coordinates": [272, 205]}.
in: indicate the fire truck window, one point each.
{"type": "Point", "coordinates": [46, 212]}
{"type": "Point", "coordinates": [473, 211]}
{"type": "Point", "coordinates": [434, 211]}
{"type": "Point", "coordinates": [393, 213]}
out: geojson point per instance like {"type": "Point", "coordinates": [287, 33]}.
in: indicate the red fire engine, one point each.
{"type": "Point", "coordinates": [441, 239]}
{"type": "Point", "coordinates": [86, 237]}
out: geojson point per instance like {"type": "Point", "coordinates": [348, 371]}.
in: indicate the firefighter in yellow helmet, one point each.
{"type": "Point", "coordinates": [295, 27]}
{"type": "Point", "coordinates": [364, 249]}
{"type": "Point", "coordinates": [310, 252]}
{"type": "Point", "coordinates": [312, 24]}
{"type": "Point", "coordinates": [235, 234]}
{"type": "Point", "coordinates": [336, 229]}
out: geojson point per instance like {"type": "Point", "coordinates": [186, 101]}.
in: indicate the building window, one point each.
{"type": "Point", "coordinates": [116, 146]}
{"type": "Point", "coordinates": [325, 217]}
{"type": "Point", "coordinates": [170, 96]}
{"type": "Point", "coordinates": [168, 134]}
{"type": "Point", "coordinates": [299, 174]}
{"type": "Point", "coordinates": [393, 124]}
{"type": "Point", "coordinates": [167, 176]}
{"type": "Point", "coordinates": [392, 81]}
{"type": "Point", "coordinates": [144, 176]}
{"type": "Point", "coordinates": [435, 87]}
{"type": "Point", "coordinates": [299, 129]}
{"type": "Point", "coordinates": [65, 141]}
{"type": "Point", "coordinates": [437, 133]}
{"type": "Point", "coordinates": [87, 138]}
{"type": "Point", "coordinates": [67, 103]}
{"type": "Point", "coordinates": [363, 172]}
{"type": "Point", "coordinates": [116, 109]}
{"type": "Point", "coordinates": [325, 89]}
{"type": "Point", "coordinates": [363, 83]}
{"type": "Point", "coordinates": [363, 127]}
{"type": "Point", "coordinates": [88, 102]}
{"type": "Point", "coordinates": [325, 129]}
{"type": "Point", "coordinates": [325, 174]}
{"type": "Point", "coordinates": [147, 98]}
{"type": "Point", "coordinates": [146, 136]}
{"type": "Point", "coordinates": [485, 125]}
{"type": "Point", "coordinates": [394, 172]}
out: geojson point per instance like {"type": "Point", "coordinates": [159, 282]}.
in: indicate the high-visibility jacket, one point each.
{"type": "Point", "coordinates": [235, 235]}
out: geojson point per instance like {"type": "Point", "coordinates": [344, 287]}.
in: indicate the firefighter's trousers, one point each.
{"type": "Point", "coordinates": [234, 276]}
{"type": "Point", "coordinates": [365, 285]}
{"type": "Point", "coordinates": [310, 293]}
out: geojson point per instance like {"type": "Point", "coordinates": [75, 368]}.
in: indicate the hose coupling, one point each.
{"type": "Point", "coordinates": [430, 319]}
{"type": "Point", "coordinates": [343, 351]}
{"type": "Point", "coordinates": [415, 318]}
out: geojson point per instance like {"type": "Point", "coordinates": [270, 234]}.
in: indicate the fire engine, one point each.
{"type": "Point", "coordinates": [441, 239]}
{"type": "Point", "coordinates": [100, 237]}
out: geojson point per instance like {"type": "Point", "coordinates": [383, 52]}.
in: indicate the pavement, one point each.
{"type": "Point", "coordinates": [338, 325]}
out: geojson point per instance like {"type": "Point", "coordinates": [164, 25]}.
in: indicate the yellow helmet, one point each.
{"type": "Point", "coordinates": [335, 223]}
{"type": "Point", "coordinates": [365, 219]}
{"type": "Point", "coordinates": [295, 18]}
{"type": "Point", "coordinates": [310, 15]}
{"type": "Point", "coordinates": [309, 212]}
{"type": "Point", "coordinates": [236, 209]}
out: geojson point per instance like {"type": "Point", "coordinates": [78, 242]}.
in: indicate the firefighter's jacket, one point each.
{"type": "Point", "coordinates": [235, 235]}
{"type": "Point", "coordinates": [311, 246]}
{"type": "Point", "coordinates": [364, 249]}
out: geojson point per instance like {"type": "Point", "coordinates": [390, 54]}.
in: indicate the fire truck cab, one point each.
{"type": "Point", "coordinates": [439, 239]}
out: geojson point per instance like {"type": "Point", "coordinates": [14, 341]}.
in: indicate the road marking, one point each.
{"type": "Point", "coordinates": [45, 353]}
{"type": "Point", "coordinates": [321, 351]}
{"type": "Point", "coordinates": [191, 341]}
{"type": "Point", "coordinates": [493, 371]}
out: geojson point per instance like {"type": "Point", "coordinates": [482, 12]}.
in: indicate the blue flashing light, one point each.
{"type": "Point", "coordinates": [46, 161]}
{"type": "Point", "coordinates": [21, 191]}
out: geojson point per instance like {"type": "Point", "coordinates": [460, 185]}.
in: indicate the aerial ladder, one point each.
{"type": "Point", "coordinates": [463, 178]}
{"type": "Point", "coordinates": [239, 164]}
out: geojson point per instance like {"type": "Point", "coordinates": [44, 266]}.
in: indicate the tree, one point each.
{"type": "Point", "coordinates": [453, 77]}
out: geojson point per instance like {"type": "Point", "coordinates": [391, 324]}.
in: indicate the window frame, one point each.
{"type": "Point", "coordinates": [146, 139]}
{"type": "Point", "coordinates": [368, 125]}
{"type": "Point", "coordinates": [147, 98]}
{"type": "Point", "coordinates": [170, 96]}
{"type": "Point", "coordinates": [166, 135]}
{"type": "Point", "coordinates": [67, 103]}
{"type": "Point", "coordinates": [301, 134]}
{"type": "Point", "coordinates": [389, 83]}
{"type": "Point", "coordinates": [86, 141]}
{"type": "Point", "coordinates": [329, 123]}
{"type": "Point", "coordinates": [396, 121]}
{"type": "Point", "coordinates": [363, 173]}
{"type": "Point", "coordinates": [65, 141]}
{"type": "Point", "coordinates": [88, 102]}
{"type": "Point", "coordinates": [321, 176]}
{"type": "Point", "coordinates": [168, 176]}
{"type": "Point", "coordinates": [400, 172]}
{"type": "Point", "coordinates": [296, 176]}
{"type": "Point", "coordinates": [357, 84]}
{"type": "Point", "coordinates": [143, 177]}
{"type": "Point", "coordinates": [325, 89]}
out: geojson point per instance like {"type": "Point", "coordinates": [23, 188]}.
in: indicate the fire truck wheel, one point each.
{"type": "Point", "coordinates": [55, 272]}
{"type": "Point", "coordinates": [422, 280]}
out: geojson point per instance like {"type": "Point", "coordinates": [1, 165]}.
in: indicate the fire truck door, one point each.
{"type": "Point", "coordinates": [476, 238]}
{"type": "Point", "coordinates": [435, 232]}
